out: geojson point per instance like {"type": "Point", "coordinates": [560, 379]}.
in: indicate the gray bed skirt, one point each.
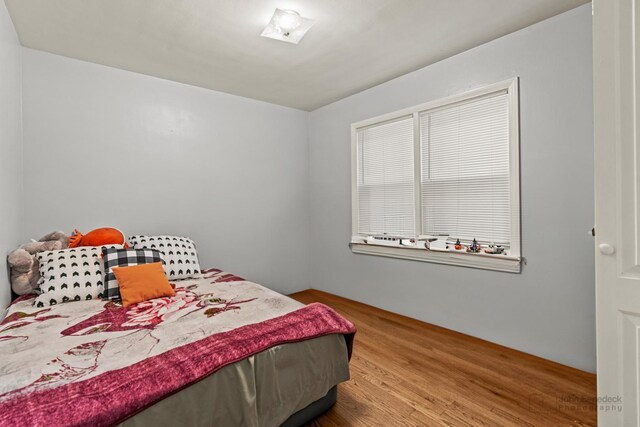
{"type": "Point", "coordinates": [263, 390]}
{"type": "Point", "coordinates": [314, 410]}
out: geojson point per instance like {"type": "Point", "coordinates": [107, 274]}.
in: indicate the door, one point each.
{"type": "Point", "coordinates": [616, 43]}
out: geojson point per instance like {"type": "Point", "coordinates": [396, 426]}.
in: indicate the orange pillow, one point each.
{"type": "Point", "coordinates": [142, 282]}
{"type": "Point", "coordinates": [98, 237]}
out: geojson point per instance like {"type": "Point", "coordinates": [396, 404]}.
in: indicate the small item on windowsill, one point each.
{"type": "Point", "coordinates": [393, 241]}
{"type": "Point", "coordinates": [428, 241]}
{"type": "Point", "coordinates": [458, 245]}
{"type": "Point", "coordinates": [408, 242]}
{"type": "Point", "coordinates": [495, 250]}
{"type": "Point", "coordinates": [474, 247]}
{"type": "Point", "coordinates": [439, 243]}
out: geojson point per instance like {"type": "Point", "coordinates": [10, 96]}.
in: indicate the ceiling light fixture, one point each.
{"type": "Point", "coordinates": [287, 26]}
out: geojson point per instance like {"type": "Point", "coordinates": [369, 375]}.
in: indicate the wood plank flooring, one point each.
{"type": "Point", "coordinates": [409, 373]}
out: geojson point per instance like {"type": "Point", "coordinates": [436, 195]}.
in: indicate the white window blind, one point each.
{"type": "Point", "coordinates": [465, 170]}
{"type": "Point", "coordinates": [385, 178]}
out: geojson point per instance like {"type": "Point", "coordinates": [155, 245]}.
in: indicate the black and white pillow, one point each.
{"type": "Point", "coordinates": [124, 258]}
{"type": "Point", "coordinates": [179, 253]}
{"type": "Point", "coordinates": [74, 274]}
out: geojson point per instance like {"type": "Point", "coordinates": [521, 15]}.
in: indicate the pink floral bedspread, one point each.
{"type": "Point", "coordinates": [97, 363]}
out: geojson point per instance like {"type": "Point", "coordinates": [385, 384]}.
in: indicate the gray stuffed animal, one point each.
{"type": "Point", "coordinates": [24, 265]}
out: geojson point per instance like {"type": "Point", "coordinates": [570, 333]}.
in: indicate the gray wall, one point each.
{"type": "Point", "coordinates": [10, 148]}
{"type": "Point", "coordinates": [548, 310]}
{"type": "Point", "coordinates": [106, 147]}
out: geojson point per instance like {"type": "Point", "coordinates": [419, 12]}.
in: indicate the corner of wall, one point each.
{"type": "Point", "coordinates": [22, 198]}
{"type": "Point", "coordinates": [11, 146]}
{"type": "Point", "coordinates": [309, 266]}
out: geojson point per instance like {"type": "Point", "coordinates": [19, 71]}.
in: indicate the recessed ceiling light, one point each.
{"type": "Point", "coordinates": [287, 26]}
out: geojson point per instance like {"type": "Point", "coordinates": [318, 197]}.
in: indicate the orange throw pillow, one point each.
{"type": "Point", "coordinates": [142, 282]}
{"type": "Point", "coordinates": [98, 237]}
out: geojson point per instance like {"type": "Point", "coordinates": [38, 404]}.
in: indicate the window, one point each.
{"type": "Point", "coordinates": [446, 170]}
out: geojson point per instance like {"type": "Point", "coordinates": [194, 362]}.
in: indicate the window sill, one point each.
{"type": "Point", "coordinates": [482, 261]}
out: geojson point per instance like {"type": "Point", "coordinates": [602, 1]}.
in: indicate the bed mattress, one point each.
{"type": "Point", "coordinates": [221, 342]}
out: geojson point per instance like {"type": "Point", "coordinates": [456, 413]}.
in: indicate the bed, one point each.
{"type": "Point", "coordinates": [222, 352]}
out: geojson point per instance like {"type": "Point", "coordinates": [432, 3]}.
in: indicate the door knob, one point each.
{"type": "Point", "coordinates": [606, 249]}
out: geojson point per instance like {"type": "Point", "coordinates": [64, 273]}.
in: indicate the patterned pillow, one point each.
{"type": "Point", "coordinates": [124, 258]}
{"type": "Point", "coordinates": [179, 254]}
{"type": "Point", "coordinates": [70, 275]}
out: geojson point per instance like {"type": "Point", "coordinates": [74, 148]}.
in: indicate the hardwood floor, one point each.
{"type": "Point", "coordinates": [409, 373]}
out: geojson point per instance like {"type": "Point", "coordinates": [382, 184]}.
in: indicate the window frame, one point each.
{"type": "Point", "coordinates": [484, 261]}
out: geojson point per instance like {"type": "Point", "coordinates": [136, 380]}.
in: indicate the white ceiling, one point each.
{"type": "Point", "coordinates": [354, 44]}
